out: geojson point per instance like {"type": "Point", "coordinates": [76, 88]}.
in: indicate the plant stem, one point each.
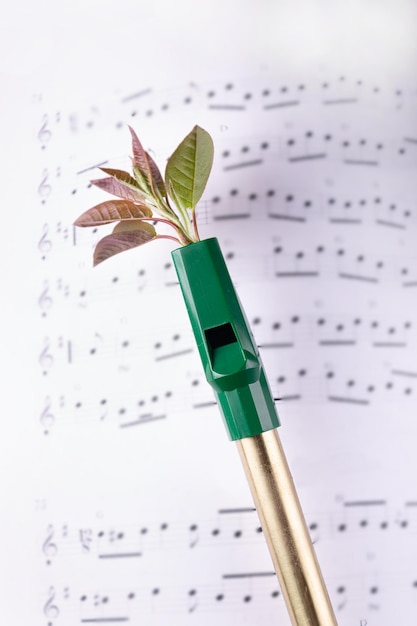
{"type": "Point", "coordinates": [168, 237]}
{"type": "Point", "coordinates": [194, 218]}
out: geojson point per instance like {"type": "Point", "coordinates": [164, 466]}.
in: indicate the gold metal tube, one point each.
{"type": "Point", "coordinates": [285, 530]}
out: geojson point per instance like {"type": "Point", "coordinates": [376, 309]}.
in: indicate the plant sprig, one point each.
{"type": "Point", "coordinates": [145, 198]}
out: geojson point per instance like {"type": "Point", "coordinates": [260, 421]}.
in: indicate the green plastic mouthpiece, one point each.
{"type": "Point", "coordinates": [230, 357]}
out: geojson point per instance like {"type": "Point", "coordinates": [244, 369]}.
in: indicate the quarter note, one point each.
{"type": "Point", "coordinates": [193, 535]}
{"type": "Point", "coordinates": [192, 600]}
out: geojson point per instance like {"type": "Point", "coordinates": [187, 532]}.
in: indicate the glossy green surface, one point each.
{"type": "Point", "coordinates": [228, 352]}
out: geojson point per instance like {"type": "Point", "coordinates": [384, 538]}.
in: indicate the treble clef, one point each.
{"type": "Point", "coordinates": [49, 547]}
{"type": "Point", "coordinates": [45, 301]}
{"type": "Point", "coordinates": [44, 134]}
{"type": "Point", "coordinates": [50, 609]}
{"type": "Point", "coordinates": [44, 243]}
{"type": "Point", "coordinates": [46, 359]}
{"type": "Point", "coordinates": [47, 418]}
{"type": "Point", "coordinates": [44, 188]}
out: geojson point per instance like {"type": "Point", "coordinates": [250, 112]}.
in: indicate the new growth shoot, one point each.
{"type": "Point", "coordinates": [146, 198]}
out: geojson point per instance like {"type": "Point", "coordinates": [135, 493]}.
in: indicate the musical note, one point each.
{"type": "Point", "coordinates": [194, 536]}
{"type": "Point", "coordinates": [192, 600]}
{"type": "Point", "coordinates": [117, 545]}
{"type": "Point", "coordinates": [174, 350]}
{"type": "Point", "coordinates": [142, 282]}
{"type": "Point", "coordinates": [308, 147]}
{"type": "Point", "coordinates": [361, 152]}
{"type": "Point", "coordinates": [86, 538]}
{"type": "Point", "coordinates": [342, 597]}
{"type": "Point", "coordinates": [298, 264]}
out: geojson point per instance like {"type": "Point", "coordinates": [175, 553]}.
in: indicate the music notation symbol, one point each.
{"type": "Point", "coordinates": [198, 400]}
{"type": "Point", "coordinates": [46, 359]}
{"type": "Point", "coordinates": [306, 147]}
{"type": "Point", "coordinates": [278, 333]}
{"type": "Point", "coordinates": [44, 133]}
{"type": "Point", "coordinates": [359, 267]}
{"type": "Point", "coordinates": [339, 262]}
{"type": "Point", "coordinates": [118, 544]}
{"type": "Point", "coordinates": [346, 211]}
{"type": "Point", "coordinates": [150, 409]}
{"type": "Point", "coordinates": [50, 354]}
{"type": "Point", "coordinates": [297, 264]}
{"type": "Point", "coordinates": [49, 547]}
{"type": "Point", "coordinates": [340, 92]}
{"type": "Point", "coordinates": [62, 231]}
{"type": "Point", "coordinates": [288, 206]}
{"type": "Point", "coordinates": [192, 600]}
{"type": "Point", "coordinates": [176, 348]}
{"type": "Point", "coordinates": [104, 607]}
{"type": "Point", "coordinates": [235, 209]}
{"type": "Point", "coordinates": [247, 156]}
{"type": "Point", "coordinates": [89, 410]}
{"type": "Point", "coordinates": [348, 389]}
{"type": "Point", "coordinates": [361, 151]}
{"type": "Point", "coordinates": [290, 389]}
{"type": "Point", "coordinates": [86, 539]}
{"type": "Point", "coordinates": [233, 98]}
{"type": "Point", "coordinates": [44, 243]}
{"type": "Point", "coordinates": [391, 215]}
{"type": "Point", "coordinates": [51, 609]}
{"type": "Point", "coordinates": [235, 591]}
{"type": "Point", "coordinates": [45, 300]}
{"type": "Point", "coordinates": [44, 187]}
{"type": "Point", "coordinates": [47, 418]}
{"type": "Point", "coordinates": [310, 146]}
{"type": "Point", "coordinates": [169, 278]}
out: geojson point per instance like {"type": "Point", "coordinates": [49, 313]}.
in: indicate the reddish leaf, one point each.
{"type": "Point", "coordinates": [120, 184]}
{"type": "Point", "coordinates": [119, 242]}
{"type": "Point", "coordinates": [157, 176]}
{"type": "Point", "coordinates": [112, 211]}
{"type": "Point", "coordinates": [140, 158]}
{"type": "Point", "coordinates": [121, 175]}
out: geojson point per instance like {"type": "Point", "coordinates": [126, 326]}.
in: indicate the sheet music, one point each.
{"type": "Point", "coordinates": [124, 501]}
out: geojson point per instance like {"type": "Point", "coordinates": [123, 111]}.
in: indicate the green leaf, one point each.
{"type": "Point", "coordinates": [112, 211]}
{"type": "Point", "coordinates": [121, 241]}
{"type": "Point", "coordinates": [189, 167]}
{"type": "Point", "coordinates": [129, 225]}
